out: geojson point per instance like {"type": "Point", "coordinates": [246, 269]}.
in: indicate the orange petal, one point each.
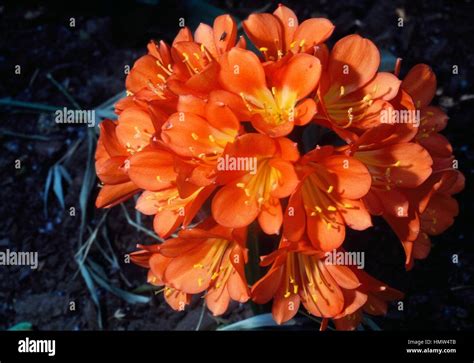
{"type": "Point", "coordinates": [437, 145]}
{"type": "Point", "coordinates": [288, 149]}
{"type": "Point", "coordinates": [343, 276]}
{"type": "Point", "coordinates": [146, 204]}
{"type": "Point", "coordinates": [135, 128]}
{"type": "Point", "coordinates": [295, 218]}
{"type": "Point", "coordinates": [192, 104]}
{"type": "Point", "coordinates": [346, 170]}
{"type": "Point", "coordinates": [184, 35]}
{"type": "Point", "coordinates": [407, 229]}
{"type": "Point", "coordinates": [289, 20]}
{"type": "Point", "coordinates": [313, 32]}
{"type": "Point", "coordinates": [177, 299]}
{"type": "Point", "coordinates": [288, 180]}
{"type": "Point", "coordinates": [241, 71]}
{"type": "Point", "coordinates": [324, 236]}
{"type": "Point", "coordinates": [109, 139]}
{"type": "Point", "coordinates": [158, 264]}
{"type": "Point", "coordinates": [204, 34]}
{"type": "Point", "coordinates": [266, 32]}
{"type": "Point", "coordinates": [304, 112]}
{"type": "Point", "coordinates": [300, 75]}
{"type": "Point", "coordinates": [111, 195]}
{"type": "Point", "coordinates": [271, 217]}
{"type": "Point", "coordinates": [190, 135]}
{"type": "Point", "coordinates": [225, 33]}
{"type": "Point", "coordinates": [285, 308]}
{"type": "Point", "coordinates": [152, 170]}
{"type": "Point", "coordinates": [353, 301]}
{"type": "Point", "coordinates": [221, 117]}
{"type": "Point", "coordinates": [421, 246]}
{"type": "Point", "coordinates": [166, 222]}
{"type": "Point", "coordinates": [237, 288]}
{"type": "Point", "coordinates": [414, 162]}
{"type": "Point", "coordinates": [217, 299]}
{"type": "Point", "coordinates": [362, 59]}
{"type": "Point", "coordinates": [111, 171]}
{"type": "Point", "coordinates": [231, 100]}
{"type": "Point", "coordinates": [182, 275]}
{"type": "Point", "coordinates": [265, 288]}
{"type": "Point", "coordinates": [394, 201]}
{"type": "Point", "coordinates": [329, 297]}
{"type": "Point", "coordinates": [144, 71]}
{"type": "Point", "coordinates": [205, 81]}
{"type": "Point", "coordinates": [357, 217]}
{"type": "Point", "coordinates": [433, 117]}
{"type": "Point", "coordinates": [420, 83]}
{"type": "Point", "coordinates": [383, 86]}
{"type": "Point", "coordinates": [439, 215]}
{"type": "Point", "coordinates": [244, 209]}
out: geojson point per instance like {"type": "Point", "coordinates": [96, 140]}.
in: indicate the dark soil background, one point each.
{"type": "Point", "coordinates": [88, 61]}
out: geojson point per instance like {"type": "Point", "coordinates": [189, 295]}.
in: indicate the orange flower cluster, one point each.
{"type": "Point", "coordinates": [207, 122]}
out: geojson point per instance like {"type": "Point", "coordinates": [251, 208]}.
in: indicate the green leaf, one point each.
{"type": "Point", "coordinates": [90, 285]}
{"type": "Point", "coordinates": [47, 185]}
{"type": "Point", "coordinates": [65, 174]}
{"type": "Point", "coordinates": [99, 276]}
{"type": "Point", "coordinates": [370, 323]}
{"type": "Point", "coordinates": [23, 326]}
{"type": "Point", "coordinates": [87, 182]}
{"type": "Point", "coordinates": [57, 185]}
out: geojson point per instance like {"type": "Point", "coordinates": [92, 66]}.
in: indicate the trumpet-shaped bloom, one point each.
{"type": "Point", "coordinates": [327, 199]}
{"type": "Point", "coordinates": [110, 164]}
{"type": "Point", "coordinates": [150, 258]}
{"type": "Point", "coordinates": [171, 209]}
{"type": "Point", "coordinates": [352, 92]}
{"type": "Point", "coordinates": [378, 296]}
{"type": "Point", "coordinates": [266, 175]}
{"type": "Point", "coordinates": [280, 33]}
{"type": "Point", "coordinates": [276, 96]}
{"type": "Point", "coordinates": [208, 259]}
{"type": "Point", "coordinates": [298, 274]}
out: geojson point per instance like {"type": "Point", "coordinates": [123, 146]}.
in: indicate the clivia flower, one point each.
{"type": "Point", "coordinates": [279, 33]}
{"type": "Point", "coordinates": [327, 199]}
{"type": "Point", "coordinates": [300, 275]}
{"type": "Point", "coordinates": [274, 95]}
{"type": "Point", "coordinates": [150, 258]}
{"type": "Point", "coordinates": [352, 93]}
{"type": "Point", "coordinates": [209, 259]}
{"type": "Point", "coordinates": [255, 194]}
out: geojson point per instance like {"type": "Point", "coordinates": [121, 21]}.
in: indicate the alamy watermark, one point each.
{"type": "Point", "coordinates": [241, 163]}
{"type": "Point", "coordinates": [13, 258]}
{"type": "Point", "coordinates": [345, 258]}
{"type": "Point", "coordinates": [68, 116]}
{"type": "Point", "coordinates": [392, 116]}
